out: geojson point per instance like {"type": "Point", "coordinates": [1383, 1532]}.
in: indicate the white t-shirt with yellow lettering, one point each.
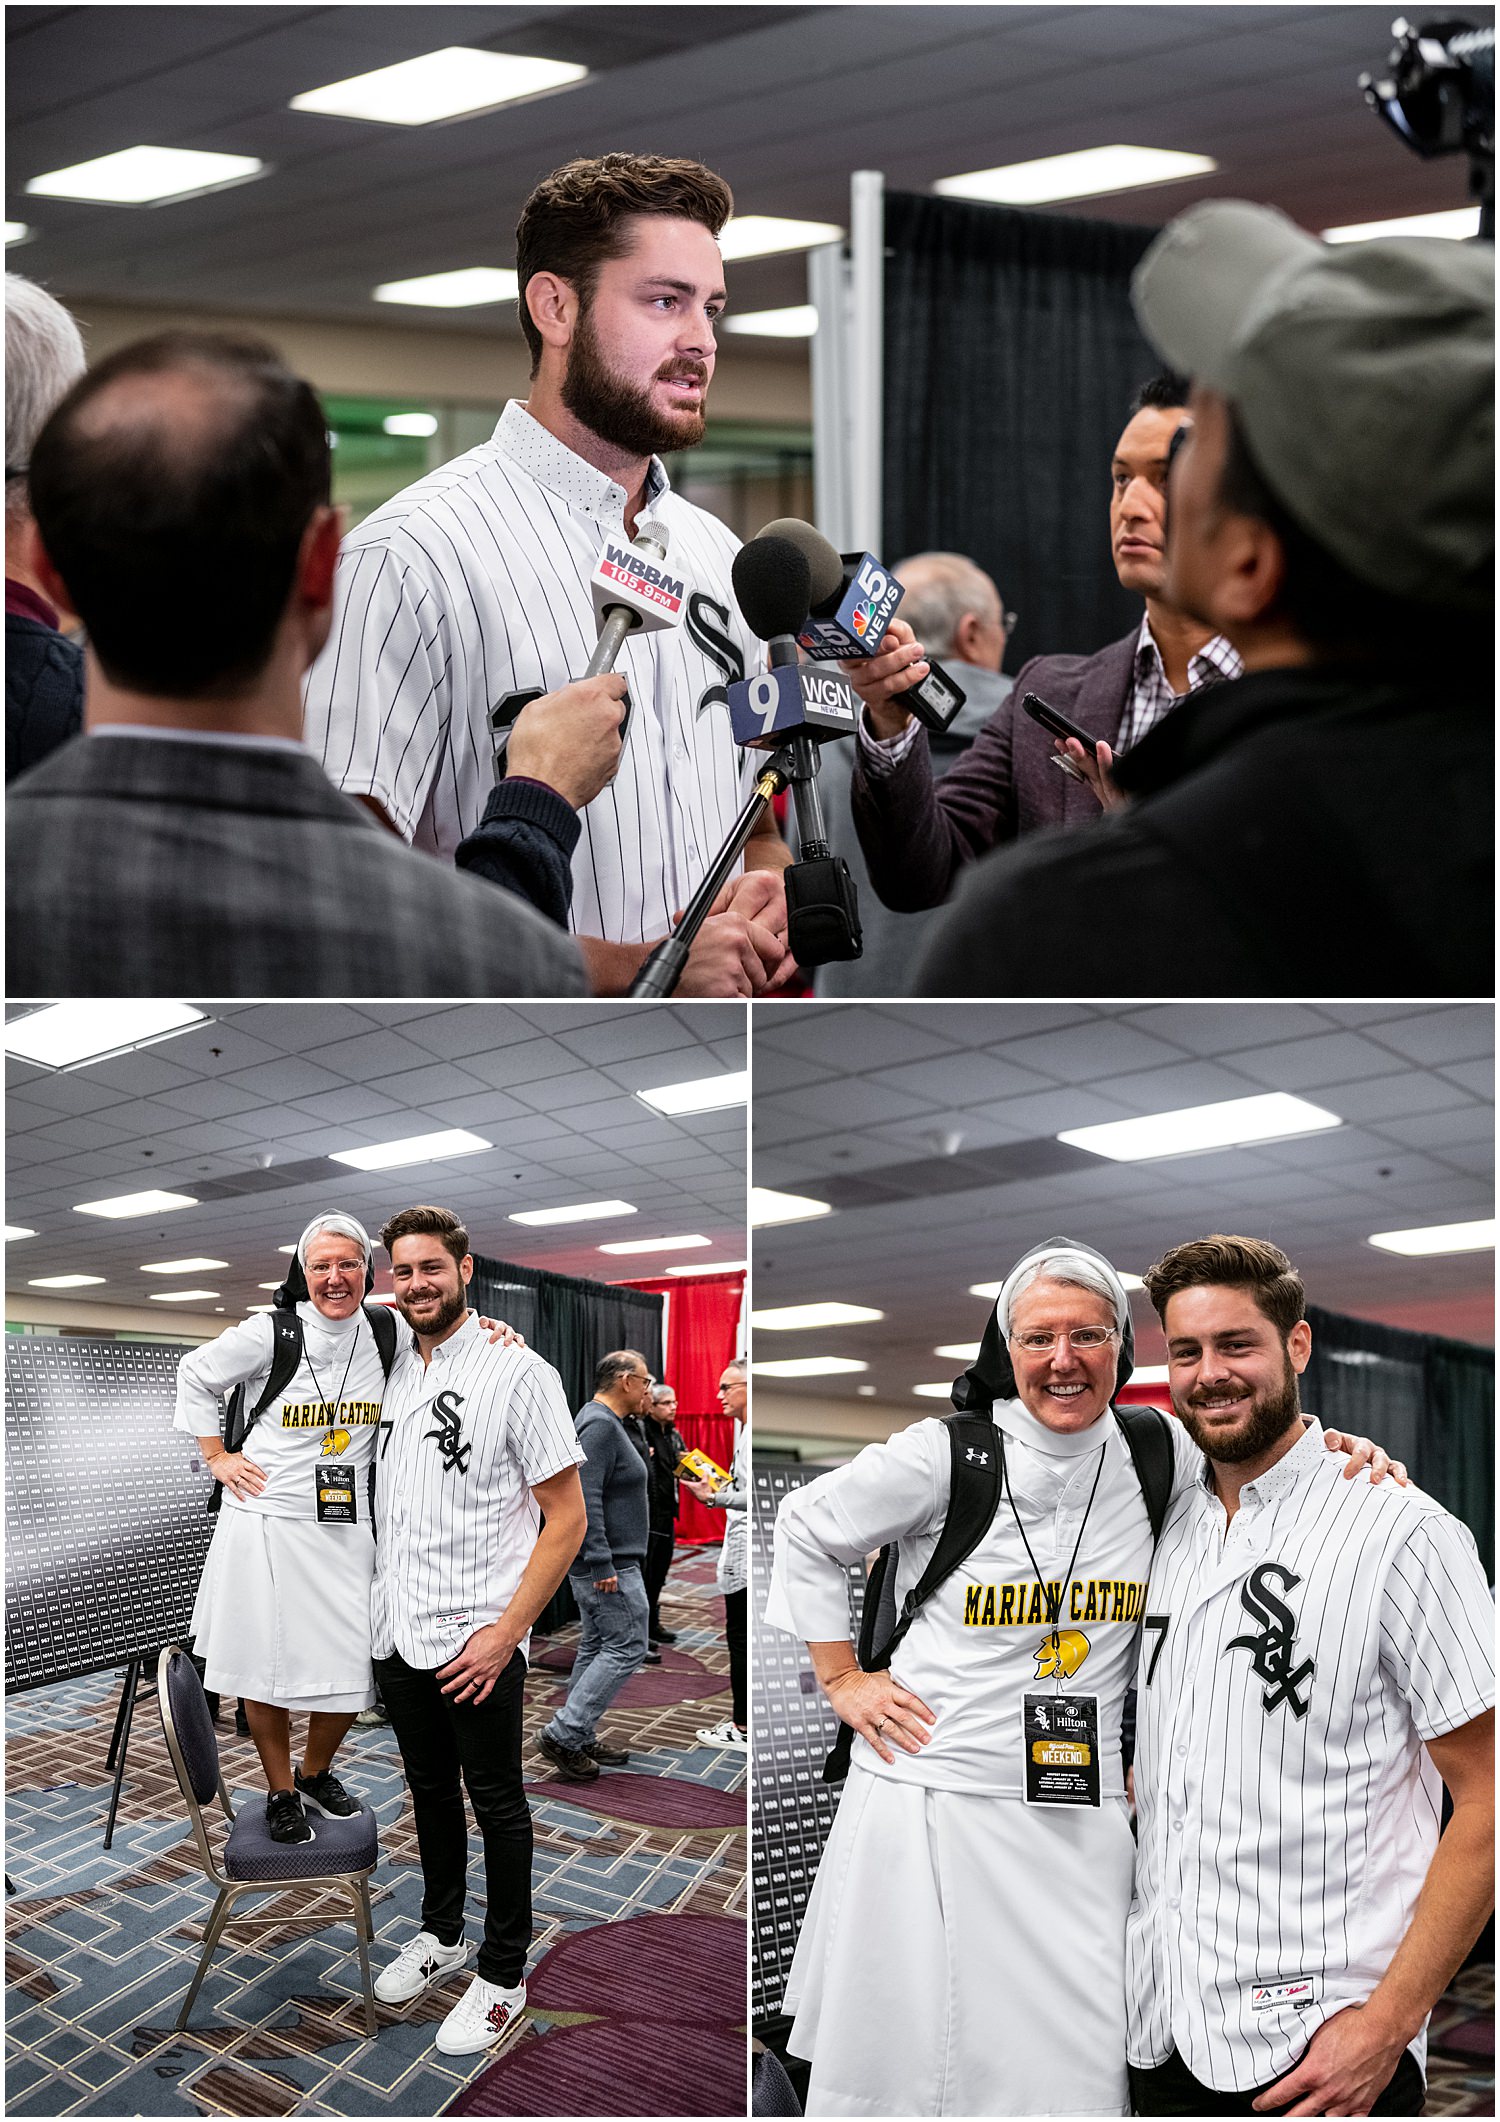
{"type": "Point", "coordinates": [328, 1413]}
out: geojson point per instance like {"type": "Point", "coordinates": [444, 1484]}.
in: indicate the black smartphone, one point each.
{"type": "Point", "coordinates": [1054, 719]}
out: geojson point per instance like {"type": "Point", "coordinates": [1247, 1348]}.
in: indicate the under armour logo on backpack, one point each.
{"type": "Point", "coordinates": [976, 1458]}
{"type": "Point", "coordinates": [446, 1407]}
{"type": "Point", "coordinates": [1271, 1651]}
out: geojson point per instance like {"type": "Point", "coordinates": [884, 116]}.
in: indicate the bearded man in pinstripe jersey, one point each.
{"type": "Point", "coordinates": [1316, 1656]}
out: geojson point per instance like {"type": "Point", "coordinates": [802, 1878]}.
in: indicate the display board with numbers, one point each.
{"type": "Point", "coordinates": [793, 1807]}
{"type": "Point", "coordinates": [105, 1521]}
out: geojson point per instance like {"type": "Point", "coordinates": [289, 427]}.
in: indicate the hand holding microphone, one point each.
{"type": "Point", "coordinates": [852, 619]}
{"type": "Point", "coordinates": [571, 739]}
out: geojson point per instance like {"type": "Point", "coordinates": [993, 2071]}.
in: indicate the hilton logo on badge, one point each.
{"type": "Point", "coordinates": [865, 609]}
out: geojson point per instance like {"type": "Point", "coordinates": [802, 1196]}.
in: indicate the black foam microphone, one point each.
{"type": "Point", "coordinates": [854, 600]}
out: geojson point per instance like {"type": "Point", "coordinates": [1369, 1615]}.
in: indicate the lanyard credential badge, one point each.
{"type": "Point", "coordinates": [1060, 1735]}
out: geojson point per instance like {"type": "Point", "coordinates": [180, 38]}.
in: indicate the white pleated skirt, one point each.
{"type": "Point", "coordinates": [283, 1612]}
{"type": "Point", "coordinates": [964, 1955]}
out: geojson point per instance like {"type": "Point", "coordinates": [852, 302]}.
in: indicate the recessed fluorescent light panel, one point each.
{"type": "Point", "coordinates": [1149, 1374]}
{"type": "Point", "coordinates": [182, 1296]}
{"type": "Point", "coordinates": [1195, 1128]}
{"type": "Point", "coordinates": [14, 1232]}
{"type": "Point", "coordinates": [455, 82]}
{"type": "Point", "coordinates": [767, 1206]}
{"type": "Point", "coordinates": [768, 235]}
{"type": "Point", "coordinates": [710, 1267]}
{"type": "Point", "coordinates": [959, 1351]}
{"type": "Point", "coordinates": [580, 1212]}
{"type": "Point", "coordinates": [790, 1318]}
{"type": "Point", "coordinates": [410, 424]}
{"type": "Point", "coordinates": [707, 1095]}
{"type": "Point", "coordinates": [147, 1204]}
{"type": "Point", "coordinates": [69, 1033]}
{"type": "Point", "coordinates": [653, 1245]}
{"type": "Point", "coordinates": [1087, 174]}
{"type": "Point", "coordinates": [467, 288]}
{"type": "Point", "coordinates": [1460, 222]}
{"type": "Point", "coordinates": [1438, 1238]}
{"type": "Point", "coordinates": [798, 322]}
{"type": "Point", "coordinates": [933, 1392]}
{"type": "Point", "coordinates": [16, 232]}
{"type": "Point", "coordinates": [809, 1367]}
{"type": "Point", "coordinates": [183, 1267]}
{"type": "Point", "coordinates": [66, 1282]}
{"type": "Point", "coordinates": [146, 176]}
{"type": "Point", "coordinates": [416, 1149]}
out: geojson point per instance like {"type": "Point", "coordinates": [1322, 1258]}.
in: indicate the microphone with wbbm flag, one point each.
{"type": "Point", "coordinates": [853, 601]}
{"type": "Point", "coordinates": [633, 592]}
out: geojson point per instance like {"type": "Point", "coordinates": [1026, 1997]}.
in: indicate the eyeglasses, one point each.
{"type": "Point", "coordinates": [1082, 1338]}
{"type": "Point", "coordinates": [337, 1267]}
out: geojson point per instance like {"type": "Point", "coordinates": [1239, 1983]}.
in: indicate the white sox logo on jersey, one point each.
{"type": "Point", "coordinates": [714, 644]}
{"type": "Point", "coordinates": [1271, 1651]}
{"type": "Point", "coordinates": [446, 1407]}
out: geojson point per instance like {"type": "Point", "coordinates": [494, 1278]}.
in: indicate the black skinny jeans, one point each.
{"type": "Point", "coordinates": [442, 1740]}
{"type": "Point", "coordinates": [734, 1633]}
{"type": "Point", "coordinates": [1171, 2089]}
{"type": "Point", "coordinates": [660, 1547]}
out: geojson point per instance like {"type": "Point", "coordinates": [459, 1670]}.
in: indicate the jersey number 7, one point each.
{"type": "Point", "coordinates": [1161, 1623]}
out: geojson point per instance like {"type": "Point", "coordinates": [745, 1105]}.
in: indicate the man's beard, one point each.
{"type": "Point", "coordinates": [620, 413]}
{"type": "Point", "coordinates": [449, 1309]}
{"type": "Point", "coordinates": [1266, 1424]}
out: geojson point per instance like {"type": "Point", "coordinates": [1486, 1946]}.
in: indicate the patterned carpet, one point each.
{"type": "Point", "coordinates": [1461, 2046]}
{"type": "Point", "coordinates": [637, 1977]}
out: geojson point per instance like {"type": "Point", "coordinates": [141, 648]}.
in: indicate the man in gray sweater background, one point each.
{"type": "Point", "coordinates": [606, 1572]}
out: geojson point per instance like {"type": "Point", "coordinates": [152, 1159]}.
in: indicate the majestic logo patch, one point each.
{"type": "Point", "coordinates": [1271, 1650]}
{"type": "Point", "coordinates": [445, 1436]}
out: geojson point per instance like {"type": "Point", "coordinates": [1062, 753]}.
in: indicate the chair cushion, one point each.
{"type": "Point", "coordinates": [252, 1852]}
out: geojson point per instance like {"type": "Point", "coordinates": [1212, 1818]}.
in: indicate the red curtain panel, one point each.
{"type": "Point", "coordinates": [703, 1334]}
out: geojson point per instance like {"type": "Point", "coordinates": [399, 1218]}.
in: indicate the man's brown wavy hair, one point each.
{"type": "Point", "coordinates": [1232, 1263]}
{"type": "Point", "coordinates": [575, 219]}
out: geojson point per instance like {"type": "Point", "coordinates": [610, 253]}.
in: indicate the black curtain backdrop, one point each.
{"type": "Point", "coordinates": [1011, 358]}
{"type": "Point", "coordinates": [572, 1324]}
{"type": "Point", "coordinates": [1429, 1401]}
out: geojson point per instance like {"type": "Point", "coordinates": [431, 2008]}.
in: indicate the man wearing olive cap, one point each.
{"type": "Point", "coordinates": [1325, 822]}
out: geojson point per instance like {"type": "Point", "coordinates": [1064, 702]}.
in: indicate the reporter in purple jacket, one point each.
{"type": "Point", "coordinates": [917, 832]}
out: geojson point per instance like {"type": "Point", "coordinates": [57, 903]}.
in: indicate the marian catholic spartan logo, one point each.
{"type": "Point", "coordinates": [1271, 1651]}
{"type": "Point", "coordinates": [445, 1436]}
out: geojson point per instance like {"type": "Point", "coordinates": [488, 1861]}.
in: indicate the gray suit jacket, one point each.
{"type": "Point", "coordinates": [918, 834]}
{"type": "Point", "coordinates": [148, 866]}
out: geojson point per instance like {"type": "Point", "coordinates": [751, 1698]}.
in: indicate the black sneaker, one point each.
{"type": "Point", "coordinates": [663, 1635]}
{"type": "Point", "coordinates": [606, 1756]}
{"type": "Point", "coordinates": [652, 1657]}
{"type": "Point", "coordinates": [325, 1794]}
{"type": "Point", "coordinates": [285, 1817]}
{"type": "Point", "coordinates": [572, 1765]}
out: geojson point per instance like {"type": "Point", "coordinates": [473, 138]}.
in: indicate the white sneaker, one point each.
{"type": "Point", "coordinates": [416, 1967]}
{"type": "Point", "coordinates": [481, 2018]}
{"type": "Point", "coordinates": [725, 1734]}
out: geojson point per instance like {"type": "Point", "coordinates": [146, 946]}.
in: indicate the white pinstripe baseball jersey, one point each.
{"type": "Point", "coordinates": [981, 1641]}
{"type": "Point", "coordinates": [465, 1439]}
{"type": "Point", "coordinates": [474, 583]}
{"type": "Point", "coordinates": [1291, 1666]}
{"type": "Point", "coordinates": [335, 1394]}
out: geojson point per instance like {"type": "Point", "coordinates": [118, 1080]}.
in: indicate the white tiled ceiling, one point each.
{"type": "Point", "coordinates": [263, 1089]}
{"type": "Point", "coordinates": [952, 1109]}
{"type": "Point", "coordinates": [784, 100]}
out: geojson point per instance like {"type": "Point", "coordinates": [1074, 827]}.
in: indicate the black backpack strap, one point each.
{"type": "Point", "coordinates": [383, 1326]}
{"type": "Point", "coordinates": [1146, 1432]}
{"type": "Point", "coordinates": [286, 1360]}
{"type": "Point", "coordinates": [973, 1496]}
